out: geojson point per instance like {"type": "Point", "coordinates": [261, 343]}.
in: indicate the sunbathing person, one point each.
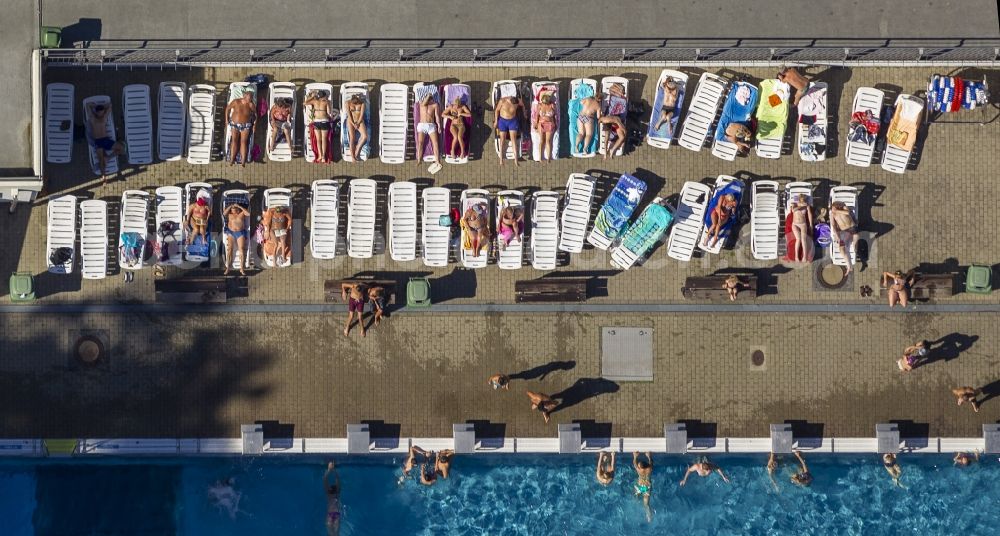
{"type": "Point", "coordinates": [240, 115]}
{"type": "Point", "coordinates": [643, 481]}
{"type": "Point", "coordinates": [723, 211]}
{"type": "Point", "coordinates": [196, 220]}
{"type": "Point", "coordinates": [704, 468]}
{"type": "Point", "coordinates": [898, 290]}
{"type": "Point", "coordinates": [740, 135]}
{"type": "Point", "coordinates": [104, 146]}
{"type": "Point", "coordinates": [792, 77]}
{"type": "Point", "coordinates": [892, 467]}
{"type": "Point", "coordinates": [670, 94]}
{"type": "Point", "coordinates": [235, 217]}
{"type": "Point", "coordinates": [507, 124]}
{"type": "Point", "coordinates": [442, 462]}
{"type": "Point", "coordinates": [322, 119]}
{"type": "Point", "coordinates": [428, 126]}
{"type": "Point", "coordinates": [281, 116]}
{"type": "Point", "coordinates": [478, 228]}
{"type": "Point", "coordinates": [545, 125]}
{"type": "Point", "coordinates": [590, 114]}
{"type": "Point", "coordinates": [615, 139]}
{"type": "Point", "coordinates": [844, 229]}
{"type": "Point", "coordinates": [510, 227]}
{"type": "Point", "coordinates": [802, 225]}
{"type": "Point", "coordinates": [543, 403]}
{"type": "Point", "coordinates": [965, 459]}
{"type": "Point", "coordinates": [277, 225]}
{"type": "Point", "coordinates": [456, 113]}
{"type": "Point", "coordinates": [376, 295]}
{"type": "Point", "coordinates": [912, 356]}
{"type": "Point", "coordinates": [499, 381]}
{"type": "Point", "coordinates": [354, 294]}
{"type": "Point", "coordinates": [356, 126]}
{"type": "Point", "coordinates": [732, 284]}
{"type": "Point", "coordinates": [605, 468]}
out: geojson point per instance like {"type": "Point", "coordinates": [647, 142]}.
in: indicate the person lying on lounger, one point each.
{"type": "Point", "coordinates": [897, 287]}
{"type": "Point", "coordinates": [644, 481]}
{"type": "Point", "coordinates": [723, 211]}
{"type": "Point", "coordinates": [794, 78]}
{"type": "Point", "coordinates": [802, 225]}
{"type": "Point", "coordinates": [455, 113]}
{"type": "Point", "coordinates": [670, 93]}
{"type": "Point", "coordinates": [740, 135]}
{"type": "Point", "coordinates": [235, 215]}
{"type": "Point", "coordinates": [277, 226]}
{"type": "Point", "coordinates": [615, 129]}
{"type": "Point", "coordinates": [546, 126]}
{"type": "Point", "coordinates": [196, 220]}
{"type": "Point", "coordinates": [355, 295]}
{"type": "Point", "coordinates": [507, 124]}
{"type": "Point", "coordinates": [590, 114]}
{"type": "Point", "coordinates": [322, 119]}
{"type": "Point", "coordinates": [240, 115]}
{"type": "Point", "coordinates": [844, 229]}
{"type": "Point", "coordinates": [605, 468]}
{"type": "Point", "coordinates": [478, 228]}
{"type": "Point", "coordinates": [511, 224]}
{"type": "Point", "coordinates": [281, 121]}
{"type": "Point", "coordinates": [428, 125]}
{"type": "Point", "coordinates": [104, 146]}
{"type": "Point", "coordinates": [356, 126]}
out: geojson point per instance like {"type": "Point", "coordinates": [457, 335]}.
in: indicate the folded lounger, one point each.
{"type": "Point", "coordinates": [138, 112]}
{"type": "Point", "coordinates": [393, 113]}
{"type": "Point", "coordinates": [240, 198]}
{"type": "Point", "coordinates": [61, 235]}
{"type": "Point", "coordinates": [236, 91]}
{"type": "Point", "coordinates": [867, 99]}
{"type": "Point", "coordinates": [435, 234]}
{"type": "Point", "coordinates": [111, 161]}
{"type": "Point", "coordinates": [449, 93]}
{"type": "Point", "coordinates": [278, 197]}
{"type": "Point", "coordinates": [684, 235]}
{"type": "Point", "coordinates": [425, 152]}
{"type": "Point", "coordinates": [739, 107]}
{"type": "Point", "coordinates": [812, 123]}
{"type": "Point", "coordinates": [324, 218]}
{"type": "Point", "coordinates": [169, 224]}
{"type": "Point", "coordinates": [642, 235]}
{"type": "Point", "coordinates": [513, 88]}
{"type": "Point", "coordinates": [94, 239]}
{"type": "Point", "coordinates": [701, 113]}
{"type": "Point", "coordinates": [723, 185]}
{"type": "Point", "coordinates": [509, 257]}
{"type": "Point", "coordinates": [311, 147]}
{"type": "Point", "coordinates": [544, 229]}
{"type": "Point", "coordinates": [201, 123]}
{"type": "Point", "coordinates": [348, 90]}
{"type": "Point", "coordinates": [662, 136]}
{"type": "Point", "coordinates": [282, 151]}
{"type": "Point", "coordinates": [849, 196]}
{"type": "Point", "coordinates": [616, 211]}
{"type": "Point", "coordinates": [902, 133]}
{"type": "Point", "coordinates": [580, 89]}
{"type": "Point", "coordinates": [361, 218]}
{"type": "Point", "coordinates": [765, 221]}
{"type": "Point", "coordinates": [403, 221]}
{"type": "Point", "coordinates": [537, 90]}
{"type": "Point", "coordinates": [133, 236]}
{"type": "Point", "coordinates": [478, 200]}
{"type": "Point", "coordinates": [198, 249]}
{"type": "Point", "coordinates": [171, 120]}
{"type": "Point", "coordinates": [59, 123]}
{"type": "Point", "coordinates": [772, 117]}
{"type": "Point", "coordinates": [613, 105]}
{"type": "Point", "coordinates": [792, 192]}
{"type": "Point", "coordinates": [576, 212]}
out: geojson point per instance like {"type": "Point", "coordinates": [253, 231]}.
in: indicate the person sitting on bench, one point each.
{"type": "Point", "coordinates": [733, 285]}
{"type": "Point", "coordinates": [377, 296]}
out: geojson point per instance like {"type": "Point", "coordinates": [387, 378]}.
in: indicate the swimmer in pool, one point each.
{"type": "Point", "coordinates": [332, 500]}
{"type": "Point", "coordinates": [225, 497]}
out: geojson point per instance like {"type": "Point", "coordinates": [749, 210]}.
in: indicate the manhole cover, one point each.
{"type": "Point", "coordinates": [831, 276]}
{"type": "Point", "coordinates": [88, 350]}
{"type": "Point", "coordinates": [757, 358]}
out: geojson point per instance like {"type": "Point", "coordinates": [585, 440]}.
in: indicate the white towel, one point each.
{"type": "Point", "coordinates": [508, 90]}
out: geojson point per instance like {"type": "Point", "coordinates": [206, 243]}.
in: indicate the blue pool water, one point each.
{"type": "Point", "coordinates": [538, 495]}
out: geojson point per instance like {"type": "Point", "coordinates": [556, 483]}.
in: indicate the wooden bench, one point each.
{"type": "Point", "coordinates": [928, 286]}
{"type": "Point", "coordinates": [550, 290]}
{"type": "Point", "coordinates": [711, 287]}
{"type": "Point", "coordinates": [333, 288]}
{"type": "Point", "coordinates": [191, 290]}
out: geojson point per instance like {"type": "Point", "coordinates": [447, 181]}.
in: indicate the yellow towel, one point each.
{"type": "Point", "coordinates": [897, 137]}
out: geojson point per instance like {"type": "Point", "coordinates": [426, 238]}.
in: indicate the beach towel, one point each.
{"type": "Point", "coordinates": [647, 230]}
{"type": "Point", "coordinates": [619, 206]}
{"type": "Point", "coordinates": [739, 108]}
{"type": "Point", "coordinates": [615, 106]}
{"type": "Point", "coordinates": [790, 242]}
{"type": "Point", "coordinates": [666, 131]}
{"type": "Point", "coordinates": [772, 114]}
{"type": "Point", "coordinates": [426, 90]}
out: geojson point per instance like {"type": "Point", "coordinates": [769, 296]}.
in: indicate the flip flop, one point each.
{"type": "Point", "coordinates": [435, 167]}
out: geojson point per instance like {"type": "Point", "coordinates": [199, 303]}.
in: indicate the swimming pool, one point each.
{"type": "Point", "coordinates": [488, 494]}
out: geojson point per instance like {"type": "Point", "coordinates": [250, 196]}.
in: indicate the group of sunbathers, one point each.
{"type": "Point", "coordinates": [429, 473]}
{"type": "Point", "coordinates": [356, 295]}
{"type": "Point", "coordinates": [592, 113]}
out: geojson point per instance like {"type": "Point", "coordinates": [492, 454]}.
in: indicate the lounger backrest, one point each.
{"type": "Point", "coordinates": [684, 235]}
{"type": "Point", "coordinates": [393, 121]}
{"type": "Point", "coordinates": [59, 122]}
{"type": "Point", "coordinates": [61, 232]}
{"type": "Point", "coordinates": [544, 230]}
{"type": "Point", "coordinates": [138, 123]}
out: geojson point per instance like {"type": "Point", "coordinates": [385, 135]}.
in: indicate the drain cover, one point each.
{"type": "Point", "coordinates": [831, 276]}
{"type": "Point", "coordinates": [88, 350]}
{"type": "Point", "coordinates": [757, 358]}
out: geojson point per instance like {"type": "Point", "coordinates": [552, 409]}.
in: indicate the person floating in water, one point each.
{"type": "Point", "coordinates": [225, 497]}
{"type": "Point", "coordinates": [605, 468]}
{"type": "Point", "coordinates": [332, 500]}
{"type": "Point", "coordinates": [892, 467]}
{"type": "Point", "coordinates": [704, 468]}
{"type": "Point", "coordinates": [965, 459]}
{"type": "Point", "coordinates": [800, 478]}
{"type": "Point", "coordinates": [643, 481]}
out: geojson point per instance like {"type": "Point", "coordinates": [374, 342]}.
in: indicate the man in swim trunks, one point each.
{"type": "Point", "coordinates": [281, 120]}
{"type": "Point", "coordinates": [332, 500]}
{"type": "Point", "coordinates": [892, 467]}
{"type": "Point", "coordinates": [543, 403]}
{"type": "Point", "coordinates": [667, 109]}
{"type": "Point", "coordinates": [844, 229]}
{"type": "Point", "coordinates": [643, 481]}
{"type": "Point", "coordinates": [428, 126]}
{"type": "Point", "coordinates": [965, 459]}
{"type": "Point", "coordinates": [615, 129]}
{"type": "Point", "coordinates": [605, 468]}
{"type": "Point", "coordinates": [442, 462]}
{"type": "Point", "coordinates": [455, 114]}
{"type": "Point", "coordinates": [240, 115]}
{"type": "Point", "coordinates": [354, 295]}
{"type": "Point", "coordinates": [723, 211]}
{"type": "Point", "coordinates": [277, 225]}
{"type": "Point", "coordinates": [356, 126]}
{"type": "Point", "coordinates": [103, 144]}
{"type": "Point", "coordinates": [376, 295]}
{"type": "Point", "coordinates": [704, 468]}
{"type": "Point", "coordinates": [590, 114]}
{"type": "Point", "coordinates": [196, 219]}
{"type": "Point", "coordinates": [411, 461]}
{"type": "Point", "coordinates": [792, 77]}
{"type": "Point", "coordinates": [546, 125]}
{"type": "Point", "coordinates": [507, 124]}
{"type": "Point", "coordinates": [235, 228]}
{"type": "Point", "coordinates": [322, 121]}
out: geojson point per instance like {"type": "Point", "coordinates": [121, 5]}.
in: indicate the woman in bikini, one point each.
{"type": "Point", "coordinates": [615, 128]}
{"type": "Point", "coordinates": [892, 467]}
{"type": "Point", "coordinates": [912, 356]}
{"type": "Point", "coordinates": [456, 114]}
{"type": "Point", "coordinates": [511, 224]}
{"type": "Point", "coordinates": [590, 114]}
{"type": "Point", "coordinates": [546, 124]}
{"type": "Point", "coordinates": [478, 228]}
{"type": "Point", "coordinates": [356, 126]}
{"type": "Point", "coordinates": [276, 226]}
{"type": "Point", "coordinates": [723, 211]}
{"type": "Point", "coordinates": [319, 100]}
{"type": "Point", "coordinates": [899, 289]}
{"type": "Point", "coordinates": [281, 119]}
{"type": "Point", "coordinates": [802, 222]}
{"type": "Point", "coordinates": [732, 285]}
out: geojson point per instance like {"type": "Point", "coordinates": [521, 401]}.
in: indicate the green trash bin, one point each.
{"type": "Point", "coordinates": [978, 280]}
{"type": "Point", "coordinates": [22, 287]}
{"type": "Point", "coordinates": [418, 292]}
{"type": "Point", "coordinates": [50, 37]}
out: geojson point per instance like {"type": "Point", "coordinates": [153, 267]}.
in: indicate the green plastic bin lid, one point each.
{"type": "Point", "coordinates": [21, 284]}
{"type": "Point", "coordinates": [419, 290]}
{"type": "Point", "coordinates": [979, 276]}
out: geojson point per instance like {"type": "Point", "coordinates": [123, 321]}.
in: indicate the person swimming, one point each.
{"type": "Point", "coordinates": [224, 496]}
{"type": "Point", "coordinates": [332, 500]}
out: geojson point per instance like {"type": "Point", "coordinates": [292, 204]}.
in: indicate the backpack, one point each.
{"type": "Point", "coordinates": [60, 256]}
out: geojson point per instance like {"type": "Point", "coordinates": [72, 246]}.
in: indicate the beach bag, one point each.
{"type": "Point", "coordinates": [60, 256]}
{"type": "Point", "coordinates": [823, 236]}
{"type": "Point", "coordinates": [445, 221]}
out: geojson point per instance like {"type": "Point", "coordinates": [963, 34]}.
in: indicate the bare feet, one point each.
{"type": "Point", "coordinates": [226, 271]}
{"type": "Point", "coordinates": [364, 332]}
{"type": "Point", "coordinates": [346, 331]}
{"type": "Point", "coordinates": [243, 272]}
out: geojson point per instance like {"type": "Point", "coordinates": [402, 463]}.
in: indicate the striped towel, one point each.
{"type": "Point", "coordinates": [426, 90]}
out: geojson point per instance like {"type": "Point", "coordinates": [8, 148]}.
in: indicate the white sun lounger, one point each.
{"type": "Point", "coordinates": [169, 208]}
{"type": "Point", "coordinates": [307, 119]}
{"type": "Point", "coordinates": [361, 218]}
{"type": "Point", "coordinates": [849, 196]}
{"type": "Point", "coordinates": [765, 222]}
{"type": "Point", "coordinates": [470, 198]}
{"type": "Point", "coordinates": [132, 221]}
{"type": "Point", "coordinates": [702, 111]}
{"type": "Point", "coordinates": [896, 158]}
{"type": "Point", "coordinates": [688, 220]}
{"type": "Point", "coordinates": [348, 90]}
{"type": "Point", "coordinates": [59, 108]}
{"type": "Point", "coordinates": [324, 219]}
{"type": "Point", "coordinates": [658, 140]}
{"type": "Point", "coordinates": [512, 88]}
{"type": "Point", "coordinates": [138, 112]}
{"type": "Point", "coordinates": [544, 229]}
{"type": "Point", "coordinates": [606, 84]}
{"type": "Point", "coordinates": [200, 123]}
{"type": "Point", "coordinates": [61, 232]}
{"type": "Point", "coordinates": [197, 250]}
{"type": "Point", "coordinates": [94, 239]}
{"type": "Point", "coordinates": [393, 119]}
{"type": "Point", "coordinates": [279, 197]}
{"type": "Point", "coordinates": [435, 237]}
{"type": "Point", "coordinates": [171, 120]}
{"type": "Point", "coordinates": [771, 147]}
{"type": "Point", "coordinates": [111, 161]}
{"type": "Point", "coordinates": [403, 221]}
{"type": "Point", "coordinates": [574, 122]}
{"type": "Point", "coordinates": [241, 198]}
{"type": "Point", "coordinates": [577, 210]}
{"type": "Point", "coordinates": [867, 99]}
{"type": "Point", "coordinates": [536, 137]}
{"type": "Point", "coordinates": [792, 192]}
{"type": "Point", "coordinates": [425, 152]}
{"type": "Point", "coordinates": [721, 182]}
{"type": "Point", "coordinates": [510, 257]}
{"type": "Point", "coordinates": [282, 151]}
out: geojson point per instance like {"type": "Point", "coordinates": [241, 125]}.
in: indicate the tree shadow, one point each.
{"type": "Point", "coordinates": [541, 371]}
{"type": "Point", "coordinates": [949, 347]}
{"type": "Point", "coordinates": [583, 389]}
